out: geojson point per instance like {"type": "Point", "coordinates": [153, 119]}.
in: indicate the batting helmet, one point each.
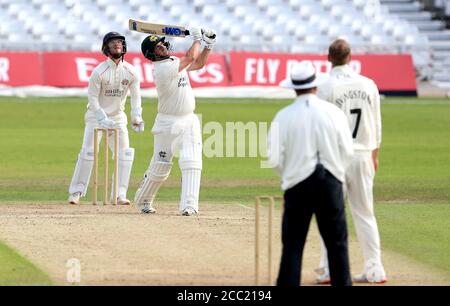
{"type": "Point", "coordinates": [148, 47]}
{"type": "Point", "coordinates": [113, 35]}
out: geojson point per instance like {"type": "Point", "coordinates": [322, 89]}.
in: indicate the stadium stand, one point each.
{"type": "Point", "coordinates": [394, 26]}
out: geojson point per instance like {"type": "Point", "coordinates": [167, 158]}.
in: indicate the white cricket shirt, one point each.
{"type": "Point", "coordinates": [175, 95]}
{"type": "Point", "coordinates": [305, 133]}
{"type": "Point", "coordinates": [108, 88]}
{"type": "Point", "coordinates": [359, 98]}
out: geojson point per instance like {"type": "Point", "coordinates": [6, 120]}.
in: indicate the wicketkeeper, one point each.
{"type": "Point", "coordinates": [176, 126]}
{"type": "Point", "coordinates": [107, 93]}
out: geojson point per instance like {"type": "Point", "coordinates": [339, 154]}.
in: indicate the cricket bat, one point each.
{"type": "Point", "coordinates": [157, 29]}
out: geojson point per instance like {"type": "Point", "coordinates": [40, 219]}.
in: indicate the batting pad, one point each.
{"type": "Point", "coordinates": [155, 175]}
{"type": "Point", "coordinates": [190, 188]}
{"type": "Point", "coordinates": [126, 158]}
{"type": "Point", "coordinates": [82, 173]}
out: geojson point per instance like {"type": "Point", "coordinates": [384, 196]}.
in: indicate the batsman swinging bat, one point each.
{"type": "Point", "coordinates": [157, 29]}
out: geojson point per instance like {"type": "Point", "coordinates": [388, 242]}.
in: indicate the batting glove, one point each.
{"type": "Point", "coordinates": [195, 34]}
{"type": "Point", "coordinates": [103, 119]}
{"type": "Point", "coordinates": [209, 37]}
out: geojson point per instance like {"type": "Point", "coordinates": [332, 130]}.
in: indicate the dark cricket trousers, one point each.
{"type": "Point", "coordinates": [320, 194]}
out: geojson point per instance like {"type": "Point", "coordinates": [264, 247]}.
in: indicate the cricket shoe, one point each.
{"type": "Point", "coordinates": [363, 278]}
{"type": "Point", "coordinates": [147, 208]}
{"type": "Point", "coordinates": [123, 201]}
{"type": "Point", "coordinates": [324, 276]}
{"type": "Point", "coordinates": [189, 211]}
{"type": "Point", "coordinates": [74, 198]}
{"type": "Point", "coordinates": [373, 273]}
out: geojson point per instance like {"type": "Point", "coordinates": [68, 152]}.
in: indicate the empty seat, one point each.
{"type": "Point", "coordinates": [242, 10]}
{"type": "Point", "coordinates": [328, 4]}
{"type": "Point", "coordinates": [15, 8]}
{"type": "Point", "coordinates": [260, 26]}
{"type": "Point", "coordinates": [302, 48]}
{"type": "Point", "coordinates": [202, 3]}
{"type": "Point", "coordinates": [277, 10]}
{"type": "Point", "coordinates": [73, 28]}
{"type": "Point", "coordinates": [307, 11]}
{"type": "Point", "coordinates": [338, 30]}
{"type": "Point", "coordinates": [253, 25]}
{"type": "Point", "coordinates": [12, 27]}
{"type": "Point", "coordinates": [415, 40]}
{"type": "Point", "coordinates": [281, 39]}
{"type": "Point", "coordinates": [269, 32]}
{"type": "Point", "coordinates": [318, 40]}
{"type": "Point", "coordinates": [106, 3]}
{"type": "Point", "coordinates": [234, 3]}
{"type": "Point", "coordinates": [297, 4]}
{"type": "Point", "coordinates": [42, 28]}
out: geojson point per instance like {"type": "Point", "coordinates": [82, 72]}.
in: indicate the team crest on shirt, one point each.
{"type": "Point", "coordinates": [162, 154]}
{"type": "Point", "coordinates": [125, 82]}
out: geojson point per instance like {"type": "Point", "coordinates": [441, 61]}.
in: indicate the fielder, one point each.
{"type": "Point", "coordinates": [107, 93]}
{"type": "Point", "coordinates": [176, 126]}
{"type": "Point", "coordinates": [358, 97]}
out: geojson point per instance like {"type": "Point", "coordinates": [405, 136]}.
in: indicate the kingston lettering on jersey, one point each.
{"type": "Point", "coordinates": [108, 88]}
{"type": "Point", "coordinates": [175, 95]}
{"type": "Point", "coordinates": [359, 98]}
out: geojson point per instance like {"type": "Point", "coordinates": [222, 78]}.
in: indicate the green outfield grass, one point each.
{"type": "Point", "coordinates": [41, 137]}
{"type": "Point", "coordinates": [16, 270]}
{"type": "Point", "coordinates": [419, 231]}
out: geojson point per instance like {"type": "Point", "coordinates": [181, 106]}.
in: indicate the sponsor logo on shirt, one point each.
{"type": "Point", "coordinates": [114, 92]}
{"type": "Point", "coordinates": [125, 82]}
{"type": "Point", "coordinates": [182, 82]}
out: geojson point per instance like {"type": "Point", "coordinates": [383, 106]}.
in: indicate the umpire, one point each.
{"type": "Point", "coordinates": [310, 146]}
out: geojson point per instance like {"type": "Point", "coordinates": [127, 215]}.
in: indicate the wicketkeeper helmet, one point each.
{"type": "Point", "coordinates": [113, 35]}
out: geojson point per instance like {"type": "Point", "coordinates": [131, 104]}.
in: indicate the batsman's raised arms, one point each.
{"type": "Point", "coordinates": [157, 29]}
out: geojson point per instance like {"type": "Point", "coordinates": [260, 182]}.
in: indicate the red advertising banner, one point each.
{"type": "Point", "coordinates": [390, 72]}
{"type": "Point", "coordinates": [72, 69]}
{"type": "Point", "coordinates": [20, 69]}
{"type": "Point", "coordinates": [69, 69]}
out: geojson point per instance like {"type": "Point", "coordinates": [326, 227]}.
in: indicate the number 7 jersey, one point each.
{"type": "Point", "coordinates": [359, 98]}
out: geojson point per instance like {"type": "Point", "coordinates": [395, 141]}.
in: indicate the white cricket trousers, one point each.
{"type": "Point", "coordinates": [181, 136]}
{"type": "Point", "coordinates": [359, 183]}
{"type": "Point", "coordinates": [359, 190]}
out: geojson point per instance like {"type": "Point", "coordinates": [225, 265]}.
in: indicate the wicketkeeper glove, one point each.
{"type": "Point", "coordinates": [137, 123]}
{"type": "Point", "coordinates": [103, 119]}
{"type": "Point", "coordinates": [209, 37]}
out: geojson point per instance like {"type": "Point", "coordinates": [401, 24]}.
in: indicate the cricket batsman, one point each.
{"type": "Point", "coordinates": [176, 126]}
{"type": "Point", "coordinates": [109, 85]}
{"type": "Point", "coordinates": [359, 98]}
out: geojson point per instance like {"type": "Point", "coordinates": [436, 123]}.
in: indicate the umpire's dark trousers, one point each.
{"type": "Point", "coordinates": [320, 194]}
